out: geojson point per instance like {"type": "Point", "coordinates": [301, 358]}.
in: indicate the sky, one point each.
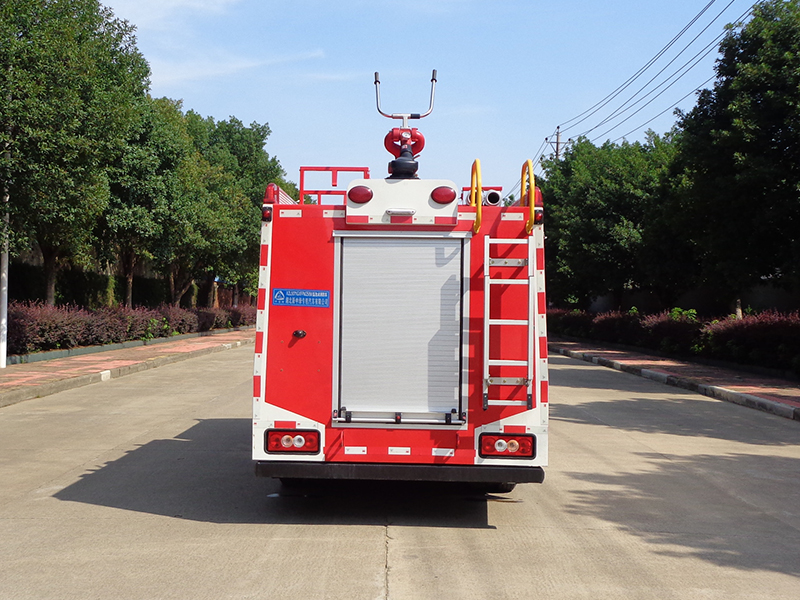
{"type": "Point", "coordinates": [509, 72]}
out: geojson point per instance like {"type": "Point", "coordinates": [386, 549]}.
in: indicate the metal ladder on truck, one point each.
{"type": "Point", "coordinates": [529, 323]}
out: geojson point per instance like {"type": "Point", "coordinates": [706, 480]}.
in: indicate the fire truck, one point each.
{"type": "Point", "coordinates": [401, 330]}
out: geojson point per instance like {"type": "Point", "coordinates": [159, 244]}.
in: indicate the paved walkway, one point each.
{"type": "Point", "coordinates": [31, 380]}
{"type": "Point", "coordinates": [771, 394]}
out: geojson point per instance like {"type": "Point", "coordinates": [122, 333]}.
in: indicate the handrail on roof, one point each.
{"type": "Point", "coordinates": [476, 194]}
{"type": "Point", "coordinates": [334, 171]}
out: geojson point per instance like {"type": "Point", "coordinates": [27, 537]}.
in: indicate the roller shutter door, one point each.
{"type": "Point", "coordinates": [400, 325]}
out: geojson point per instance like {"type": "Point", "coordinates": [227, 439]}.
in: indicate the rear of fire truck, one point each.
{"type": "Point", "coordinates": [401, 332]}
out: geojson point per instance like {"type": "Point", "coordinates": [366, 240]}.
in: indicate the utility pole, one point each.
{"type": "Point", "coordinates": [557, 145]}
{"type": "Point", "coordinates": [4, 277]}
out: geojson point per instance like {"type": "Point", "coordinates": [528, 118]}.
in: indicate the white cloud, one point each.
{"type": "Point", "coordinates": [166, 73]}
{"type": "Point", "coordinates": [155, 13]}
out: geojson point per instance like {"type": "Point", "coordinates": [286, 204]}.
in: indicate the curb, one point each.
{"type": "Point", "coordinates": [46, 389]}
{"type": "Point", "coordinates": [712, 391]}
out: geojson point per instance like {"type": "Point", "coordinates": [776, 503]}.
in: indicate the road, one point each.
{"type": "Point", "coordinates": [142, 487]}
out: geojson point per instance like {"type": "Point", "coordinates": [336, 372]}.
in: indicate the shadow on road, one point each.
{"type": "Point", "coordinates": [206, 474]}
{"type": "Point", "coordinates": [710, 507]}
{"type": "Point", "coordinates": [686, 415]}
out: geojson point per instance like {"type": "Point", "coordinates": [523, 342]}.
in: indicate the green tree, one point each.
{"type": "Point", "coordinates": [70, 76]}
{"type": "Point", "coordinates": [239, 151]}
{"type": "Point", "coordinates": [144, 178]}
{"type": "Point", "coordinates": [740, 156]}
{"type": "Point", "coordinates": [597, 200]}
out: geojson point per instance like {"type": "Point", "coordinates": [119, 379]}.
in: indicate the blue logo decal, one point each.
{"type": "Point", "coordinates": [313, 298]}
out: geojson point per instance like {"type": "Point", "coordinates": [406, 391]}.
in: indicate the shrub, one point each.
{"type": "Point", "coordinates": [769, 339]}
{"type": "Point", "coordinates": [34, 326]}
{"type": "Point", "coordinates": [570, 322]}
{"type": "Point", "coordinates": [178, 320]}
{"type": "Point", "coordinates": [212, 318]}
{"type": "Point", "coordinates": [242, 316]}
{"type": "Point", "coordinates": [673, 332]}
{"type": "Point", "coordinates": [617, 327]}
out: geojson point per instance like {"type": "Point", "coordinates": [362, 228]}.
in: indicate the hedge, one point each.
{"type": "Point", "coordinates": [769, 339]}
{"type": "Point", "coordinates": [35, 327]}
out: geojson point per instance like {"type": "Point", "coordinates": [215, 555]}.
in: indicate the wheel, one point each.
{"type": "Point", "coordinates": [294, 483]}
{"type": "Point", "coordinates": [499, 487]}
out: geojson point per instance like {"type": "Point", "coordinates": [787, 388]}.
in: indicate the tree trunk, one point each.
{"type": "Point", "coordinates": [206, 293]}
{"type": "Point", "coordinates": [179, 284]}
{"type": "Point", "coordinates": [128, 265]}
{"type": "Point", "coordinates": [50, 256]}
{"type": "Point", "coordinates": [235, 300]}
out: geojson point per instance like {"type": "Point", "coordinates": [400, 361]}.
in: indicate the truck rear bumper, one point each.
{"type": "Point", "coordinates": [401, 472]}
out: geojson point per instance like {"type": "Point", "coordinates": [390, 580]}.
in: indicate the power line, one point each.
{"type": "Point", "coordinates": [705, 52]}
{"type": "Point", "coordinates": [700, 87]}
{"type": "Point", "coordinates": [620, 110]}
{"type": "Point", "coordinates": [680, 72]}
{"type": "Point", "coordinates": [594, 109]}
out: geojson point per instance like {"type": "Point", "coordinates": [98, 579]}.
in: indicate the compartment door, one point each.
{"type": "Point", "coordinates": [400, 327]}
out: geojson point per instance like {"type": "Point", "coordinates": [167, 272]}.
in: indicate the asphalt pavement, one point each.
{"type": "Point", "coordinates": [773, 394]}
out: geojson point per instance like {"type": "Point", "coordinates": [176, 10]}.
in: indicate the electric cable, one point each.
{"type": "Point", "coordinates": [704, 52]}
{"type": "Point", "coordinates": [694, 91]}
{"type": "Point", "coordinates": [594, 109]}
{"type": "Point", "coordinates": [621, 109]}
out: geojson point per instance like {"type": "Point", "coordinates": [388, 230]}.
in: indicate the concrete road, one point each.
{"type": "Point", "coordinates": [142, 487]}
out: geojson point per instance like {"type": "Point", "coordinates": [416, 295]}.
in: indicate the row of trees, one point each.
{"type": "Point", "coordinates": [715, 202]}
{"type": "Point", "coordinates": [95, 171]}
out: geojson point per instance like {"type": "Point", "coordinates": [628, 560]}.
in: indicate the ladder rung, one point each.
{"type": "Point", "coordinates": [508, 262]}
{"type": "Point", "coordinates": [507, 363]}
{"type": "Point", "coordinates": [508, 281]}
{"type": "Point", "coordinates": [508, 321]}
{"type": "Point", "coordinates": [508, 402]}
{"type": "Point", "coordinates": [515, 381]}
{"type": "Point", "coordinates": [508, 240]}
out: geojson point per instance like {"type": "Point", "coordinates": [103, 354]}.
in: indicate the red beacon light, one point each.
{"type": "Point", "coordinates": [360, 194]}
{"type": "Point", "coordinates": [443, 194]}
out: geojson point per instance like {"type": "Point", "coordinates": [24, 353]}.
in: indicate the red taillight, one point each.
{"type": "Point", "coordinates": [507, 446]}
{"type": "Point", "coordinates": [293, 440]}
{"type": "Point", "coordinates": [538, 216]}
{"type": "Point", "coordinates": [443, 194]}
{"type": "Point", "coordinates": [360, 194]}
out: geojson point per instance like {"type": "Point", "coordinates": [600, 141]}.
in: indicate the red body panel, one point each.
{"type": "Point", "coordinates": [295, 344]}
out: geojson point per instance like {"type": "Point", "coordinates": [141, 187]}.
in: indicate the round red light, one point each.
{"type": "Point", "coordinates": [360, 194]}
{"type": "Point", "coordinates": [443, 195]}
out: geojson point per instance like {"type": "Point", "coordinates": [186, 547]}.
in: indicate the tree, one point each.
{"type": "Point", "coordinates": [143, 180]}
{"type": "Point", "coordinates": [740, 156]}
{"type": "Point", "coordinates": [597, 200]}
{"type": "Point", "coordinates": [239, 152]}
{"type": "Point", "coordinates": [70, 76]}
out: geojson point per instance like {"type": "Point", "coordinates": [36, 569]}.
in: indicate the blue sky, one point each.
{"type": "Point", "coordinates": [509, 71]}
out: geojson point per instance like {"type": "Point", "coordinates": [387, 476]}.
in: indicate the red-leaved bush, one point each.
{"type": "Point", "coordinates": [770, 339]}
{"type": "Point", "coordinates": [35, 327]}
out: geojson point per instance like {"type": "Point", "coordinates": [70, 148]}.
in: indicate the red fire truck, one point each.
{"type": "Point", "coordinates": [401, 331]}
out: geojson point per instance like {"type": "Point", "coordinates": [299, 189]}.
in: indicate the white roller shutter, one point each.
{"type": "Point", "coordinates": [400, 325]}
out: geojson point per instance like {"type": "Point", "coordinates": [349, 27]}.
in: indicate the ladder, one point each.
{"type": "Point", "coordinates": [491, 383]}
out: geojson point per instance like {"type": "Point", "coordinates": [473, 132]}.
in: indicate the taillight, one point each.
{"type": "Point", "coordinates": [443, 194]}
{"type": "Point", "coordinates": [360, 194]}
{"type": "Point", "coordinates": [507, 446]}
{"type": "Point", "coordinates": [293, 440]}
